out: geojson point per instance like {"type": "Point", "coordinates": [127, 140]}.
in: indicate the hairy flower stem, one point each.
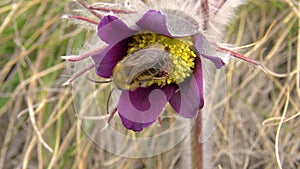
{"type": "Point", "coordinates": [82, 18]}
{"type": "Point", "coordinates": [87, 6]}
{"type": "Point", "coordinates": [116, 11]}
{"type": "Point", "coordinates": [205, 13]}
{"type": "Point", "coordinates": [75, 58]}
{"type": "Point", "coordinates": [220, 6]}
{"type": "Point", "coordinates": [78, 74]}
{"type": "Point", "coordinates": [197, 147]}
{"type": "Point", "coordinates": [239, 56]}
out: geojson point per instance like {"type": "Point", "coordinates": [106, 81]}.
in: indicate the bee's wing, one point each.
{"type": "Point", "coordinates": [143, 60]}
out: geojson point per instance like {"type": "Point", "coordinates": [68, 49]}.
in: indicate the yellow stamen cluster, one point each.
{"type": "Point", "coordinates": [181, 56]}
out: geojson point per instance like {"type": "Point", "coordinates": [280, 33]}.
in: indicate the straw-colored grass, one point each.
{"type": "Point", "coordinates": [38, 125]}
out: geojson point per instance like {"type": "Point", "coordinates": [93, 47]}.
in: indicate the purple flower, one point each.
{"type": "Point", "coordinates": [156, 57]}
{"type": "Point", "coordinates": [141, 104]}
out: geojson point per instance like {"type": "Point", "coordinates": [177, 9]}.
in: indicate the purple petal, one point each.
{"type": "Point", "coordinates": [107, 59]}
{"type": "Point", "coordinates": [144, 105]}
{"type": "Point", "coordinates": [207, 50]}
{"type": "Point", "coordinates": [112, 30]}
{"type": "Point", "coordinates": [154, 21]}
{"type": "Point", "coordinates": [198, 74]}
{"type": "Point", "coordinates": [189, 98]}
{"type": "Point", "coordinates": [173, 23]}
{"type": "Point", "coordinates": [216, 60]}
{"type": "Point", "coordinates": [131, 125]}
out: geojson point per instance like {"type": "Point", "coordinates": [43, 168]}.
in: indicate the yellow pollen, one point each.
{"type": "Point", "coordinates": [182, 58]}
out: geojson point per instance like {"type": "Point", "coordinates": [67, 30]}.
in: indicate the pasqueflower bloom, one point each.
{"type": "Point", "coordinates": [155, 59]}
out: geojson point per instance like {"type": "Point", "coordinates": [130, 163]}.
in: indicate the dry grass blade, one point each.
{"type": "Point", "coordinates": [32, 119]}
{"type": "Point", "coordinates": [278, 130]}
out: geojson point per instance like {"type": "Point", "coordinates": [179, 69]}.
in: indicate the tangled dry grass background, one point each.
{"type": "Point", "coordinates": [38, 125]}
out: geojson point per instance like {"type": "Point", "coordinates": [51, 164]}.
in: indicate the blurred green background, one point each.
{"type": "Point", "coordinates": [37, 115]}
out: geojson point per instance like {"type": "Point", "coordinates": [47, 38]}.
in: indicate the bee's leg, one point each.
{"type": "Point", "coordinates": [99, 81]}
{"type": "Point", "coordinates": [162, 79]}
{"type": "Point", "coordinates": [145, 79]}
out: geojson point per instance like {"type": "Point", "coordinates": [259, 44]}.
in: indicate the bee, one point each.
{"type": "Point", "coordinates": [141, 67]}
